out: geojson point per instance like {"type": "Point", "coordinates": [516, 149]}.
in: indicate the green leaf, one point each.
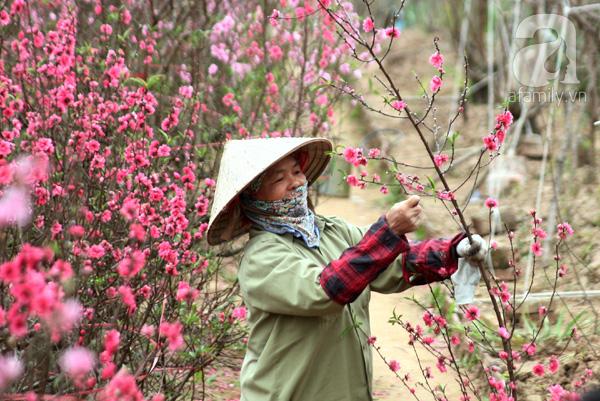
{"type": "Point", "coordinates": [124, 36]}
{"type": "Point", "coordinates": [155, 81]}
{"type": "Point", "coordinates": [228, 120]}
{"type": "Point", "coordinates": [136, 81]}
{"type": "Point", "coordinates": [201, 151]}
{"type": "Point", "coordinates": [453, 137]}
{"type": "Point", "coordinates": [55, 248]}
{"type": "Point", "coordinates": [316, 88]}
{"type": "Point", "coordinates": [164, 134]}
{"type": "Point", "coordinates": [431, 183]}
{"type": "Point", "coordinates": [113, 17]}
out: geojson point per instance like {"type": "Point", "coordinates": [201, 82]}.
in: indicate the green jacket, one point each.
{"type": "Point", "coordinates": [303, 346]}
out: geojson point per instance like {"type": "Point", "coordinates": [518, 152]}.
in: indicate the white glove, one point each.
{"type": "Point", "coordinates": [467, 276]}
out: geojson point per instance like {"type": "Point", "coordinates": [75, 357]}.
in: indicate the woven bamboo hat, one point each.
{"type": "Point", "coordinates": [243, 161]}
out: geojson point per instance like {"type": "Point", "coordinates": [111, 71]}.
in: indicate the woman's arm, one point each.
{"type": "Point", "coordinates": [423, 262]}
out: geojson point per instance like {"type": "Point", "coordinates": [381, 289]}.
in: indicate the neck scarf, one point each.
{"type": "Point", "coordinates": [288, 215]}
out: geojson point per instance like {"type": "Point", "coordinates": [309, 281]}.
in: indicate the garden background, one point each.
{"type": "Point", "coordinates": [114, 115]}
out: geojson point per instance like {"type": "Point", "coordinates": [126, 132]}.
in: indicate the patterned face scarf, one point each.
{"type": "Point", "coordinates": [288, 215]}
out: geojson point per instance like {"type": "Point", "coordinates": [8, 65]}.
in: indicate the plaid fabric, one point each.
{"type": "Point", "coordinates": [431, 260]}
{"type": "Point", "coordinates": [424, 262]}
{"type": "Point", "coordinates": [345, 278]}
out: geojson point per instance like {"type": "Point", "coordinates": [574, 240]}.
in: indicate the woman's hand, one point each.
{"type": "Point", "coordinates": [405, 216]}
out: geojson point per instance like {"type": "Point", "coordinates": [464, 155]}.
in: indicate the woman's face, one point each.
{"type": "Point", "coordinates": [280, 180]}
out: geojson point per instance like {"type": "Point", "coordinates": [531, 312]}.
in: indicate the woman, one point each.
{"type": "Point", "coordinates": [306, 279]}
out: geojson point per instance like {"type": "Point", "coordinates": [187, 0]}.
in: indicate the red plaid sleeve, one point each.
{"type": "Point", "coordinates": [343, 279]}
{"type": "Point", "coordinates": [431, 260]}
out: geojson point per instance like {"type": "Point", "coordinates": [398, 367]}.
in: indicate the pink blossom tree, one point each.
{"type": "Point", "coordinates": [112, 115]}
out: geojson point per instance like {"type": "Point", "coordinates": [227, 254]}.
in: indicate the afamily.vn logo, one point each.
{"type": "Point", "coordinates": [531, 64]}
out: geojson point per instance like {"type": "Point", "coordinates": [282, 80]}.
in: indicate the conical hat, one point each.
{"type": "Point", "coordinates": [244, 160]}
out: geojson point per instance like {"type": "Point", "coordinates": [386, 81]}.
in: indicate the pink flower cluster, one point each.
{"type": "Point", "coordinates": [112, 338]}
{"type": "Point", "coordinates": [440, 159]}
{"type": "Point", "coordinates": [21, 176]}
{"type": "Point", "coordinates": [122, 387]}
{"type": "Point", "coordinates": [538, 234]}
{"type": "Point", "coordinates": [540, 370]}
{"type": "Point", "coordinates": [77, 362]}
{"type": "Point", "coordinates": [11, 368]}
{"type": "Point", "coordinates": [186, 293]}
{"type": "Point", "coordinates": [398, 105]}
{"type": "Point", "coordinates": [37, 292]}
{"type": "Point", "coordinates": [394, 365]}
{"type": "Point", "coordinates": [564, 230]}
{"type": "Point", "coordinates": [410, 182]}
{"type": "Point", "coordinates": [354, 156]}
{"type": "Point", "coordinates": [503, 122]}
{"type": "Point", "coordinates": [502, 292]}
{"type": "Point", "coordinates": [173, 333]}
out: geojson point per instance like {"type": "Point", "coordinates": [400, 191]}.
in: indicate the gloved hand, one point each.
{"type": "Point", "coordinates": [467, 276]}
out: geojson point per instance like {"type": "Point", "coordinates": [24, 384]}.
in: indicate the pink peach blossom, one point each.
{"type": "Point", "coordinates": [173, 333]}
{"type": "Point", "coordinates": [435, 84]}
{"type": "Point", "coordinates": [564, 230]}
{"type": "Point", "coordinates": [77, 362]}
{"type": "Point", "coordinates": [491, 203]}
{"type": "Point", "coordinates": [502, 332]}
{"type": "Point", "coordinates": [440, 159]}
{"type": "Point", "coordinates": [399, 105]}
{"type": "Point", "coordinates": [239, 313]}
{"type": "Point", "coordinates": [392, 32]}
{"type": "Point", "coordinates": [554, 364]}
{"type": "Point", "coordinates": [472, 313]}
{"type": "Point", "coordinates": [368, 25]}
{"type": "Point", "coordinates": [11, 368]}
{"type": "Point", "coordinates": [538, 370]}
{"type": "Point", "coordinates": [15, 207]}
{"type": "Point", "coordinates": [436, 60]}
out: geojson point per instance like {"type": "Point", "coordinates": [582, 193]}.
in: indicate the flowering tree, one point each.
{"type": "Point", "coordinates": [112, 115]}
{"type": "Point", "coordinates": [501, 352]}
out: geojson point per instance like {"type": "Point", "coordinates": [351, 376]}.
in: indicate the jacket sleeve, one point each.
{"type": "Point", "coordinates": [423, 262]}
{"type": "Point", "coordinates": [345, 278]}
{"type": "Point", "coordinates": [275, 279]}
